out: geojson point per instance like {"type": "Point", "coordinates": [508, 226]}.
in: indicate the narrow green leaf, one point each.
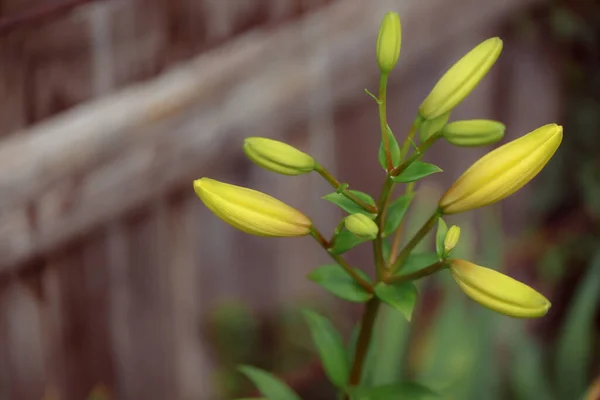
{"type": "Point", "coordinates": [417, 261]}
{"type": "Point", "coordinates": [394, 391]}
{"type": "Point", "coordinates": [270, 386]}
{"type": "Point", "coordinates": [415, 171]}
{"type": "Point", "coordinates": [394, 150]}
{"type": "Point", "coordinates": [334, 279]}
{"type": "Point", "coordinates": [442, 230]}
{"type": "Point", "coordinates": [330, 347]}
{"type": "Point", "coordinates": [395, 213]}
{"type": "Point", "coordinates": [348, 205]}
{"type": "Point", "coordinates": [345, 241]}
{"type": "Point", "coordinates": [432, 126]}
{"type": "Point", "coordinates": [574, 351]}
{"type": "Point", "coordinates": [401, 296]}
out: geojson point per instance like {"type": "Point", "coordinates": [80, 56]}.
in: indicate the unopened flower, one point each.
{"type": "Point", "coordinates": [251, 211]}
{"type": "Point", "coordinates": [461, 79]}
{"type": "Point", "coordinates": [476, 132]}
{"type": "Point", "coordinates": [503, 171]}
{"type": "Point", "coordinates": [362, 226]}
{"type": "Point", "coordinates": [389, 41]}
{"type": "Point", "coordinates": [497, 291]}
{"type": "Point", "coordinates": [278, 156]}
{"type": "Point", "coordinates": [451, 239]}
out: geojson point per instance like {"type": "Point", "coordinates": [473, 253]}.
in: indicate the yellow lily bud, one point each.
{"type": "Point", "coordinates": [497, 291]}
{"type": "Point", "coordinates": [251, 211]}
{"type": "Point", "coordinates": [278, 156]}
{"type": "Point", "coordinates": [503, 171]}
{"type": "Point", "coordinates": [362, 226]}
{"type": "Point", "coordinates": [461, 79]}
{"type": "Point", "coordinates": [476, 132]}
{"type": "Point", "coordinates": [451, 239]}
{"type": "Point", "coordinates": [388, 42]}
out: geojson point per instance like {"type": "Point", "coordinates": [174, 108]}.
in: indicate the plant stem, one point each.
{"type": "Point", "coordinates": [349, 195]}
{"type": "Point", "coordinates": [410, 189]}
{"type": "Point", "coordinates": [382, 204]}
{"type": "Point", "coordinates": [431, 269]}
{"type": "Point", "coordinates": [383, 78]}
{"type": "Point", "coordinates": [427, 226]}
{"type": "Point", "coordinates": [416, 155]}
{"type": "Point", "coordinates": [364, 339]}
{"type": "Point", "coordinates": [325, 244]}
{"type": "Point", "coordinates": [411, 134]}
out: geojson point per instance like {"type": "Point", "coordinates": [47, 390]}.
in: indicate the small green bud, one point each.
{"type": "Point", "coordinates": [477, 132]}
{"type": "Point", "coordinates": [278, 156]}
{"type": "Point", "coordinates": [451, 239]}
{"type": "Point", "coordinates": [388, 42]}
{"type": "Point", "coordinates": [362, 226]}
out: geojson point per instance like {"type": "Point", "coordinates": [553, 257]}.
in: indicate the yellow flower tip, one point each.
{"type": "Point", "coordinates": [503, 171]}
{"type": "Point", "coordinates": [389, 42]}
{"type": "Point", "coordinates": [277, 156]}
{"type": "Point", "coordinates": [451, 239]}
{"type": "Point", "coordinates": [251, 211]}
{"type": "Point", "coordinates": [498, 292]}
{"type": "Point", "coordinates": [362, 226]}
{"type": "Point", "coordinates": [461, 79]}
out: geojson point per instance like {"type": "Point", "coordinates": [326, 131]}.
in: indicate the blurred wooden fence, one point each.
{"type": "Point", "coordinates": [107, 260]}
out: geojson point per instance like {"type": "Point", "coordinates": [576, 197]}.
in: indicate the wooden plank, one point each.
{"type": "Point", "coordinates": [155, 137]}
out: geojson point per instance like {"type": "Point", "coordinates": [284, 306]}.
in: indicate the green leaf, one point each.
{"type": "Point", "coordinates": [334, 279]}
{"type": "Point", "coordinates": [417, 261]}
{"type": "Point", "coordinates": [415, 171]}
{"type": "Point", "coordinates": [401, 296]}
{"type": "Point", "coordinates": [575, 345]}
{"type": "Point", "coordinates": [345, 241]}
{"type": "Point", "coordinates": [442, 230]}
{"type": "Point", "coordinates": [395, 213]}
{"type": "Point", "coordinates": [348, 205]}
{"type": "Point", "coordinates": [394, 391]}
{"type": "Point", "coordinates": [432, 126]}
{"type": "Point", "coordinates": [270, 386]}
{"type": "Point", "coordinates": [394, 150]}
{"type": "Point", "coordinates": [330, 348]}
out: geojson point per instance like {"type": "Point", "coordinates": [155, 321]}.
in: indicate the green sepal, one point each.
{"type": "Point", "coordinates": [268, 384]}
{"type": "Point", "coordinates": [394, 150]}
{"type": "Point", "coordinates": [348, 205]}
{"type": "Point", "coordinates": [395, 213]}
{"type": "Point", "coordinates": [415, 171]}
{"type": "Point", "coordinates": [330, 347]}
{"type": "Point", "coordinates": [402, 296]}
{"type": "Point", "coordinates": [440, 235]}
{"type": "Point", "coordinates": [334, 279]}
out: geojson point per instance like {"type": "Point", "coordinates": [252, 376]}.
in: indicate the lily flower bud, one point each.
{"type": "Point", "coordinates": [362, 226]}
{"type": "Point", "coordinates": [451, 239]}
{"type": "Point", "coordinates": [503, 171]}
{"type": "Point", "coordinates": [278, 156]}
{"type": "Point", "coordinates": [251, 211]}
{"type": "Point", "coordinates": [476, 132]}
{"type": "Point", "coordinates": [497, 291]}
{"type": "Point", "coordinates": [388, 42]}
{"type": "Point", "coordinates": [461, 79]}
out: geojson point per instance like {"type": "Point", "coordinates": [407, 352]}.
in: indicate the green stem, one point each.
{"type": "Point", "coordinates": [410, 189]}
{"type": "Point", "coordinates": [349, 195]}
{"type": "Point", "coordinates": [364, 339]}
{"type": "Point", "coordinates": [431, 269]}
{"type": "Point", "coordinates": [404, 253]}
{"type": "Point", "coordinates": [416, 155]}
{"type": "Point", "coordinates": [383, 120]}
{"type": "Point", "coordinates": [382, 204]}
{"type": "Point", "coordinates": [411, 134]}
{"type": "Point", "coordinates": [326, 245]}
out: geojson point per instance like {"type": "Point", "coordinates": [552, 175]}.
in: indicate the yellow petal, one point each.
{"type": "Point", "coordinates": [461, 79]}
{"type": "Point", "coordinates": [497, 291]}
{"type": "Point", "coordinates": [503, 171]}
{"type": "Point", "coordinates": [251, 211]}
